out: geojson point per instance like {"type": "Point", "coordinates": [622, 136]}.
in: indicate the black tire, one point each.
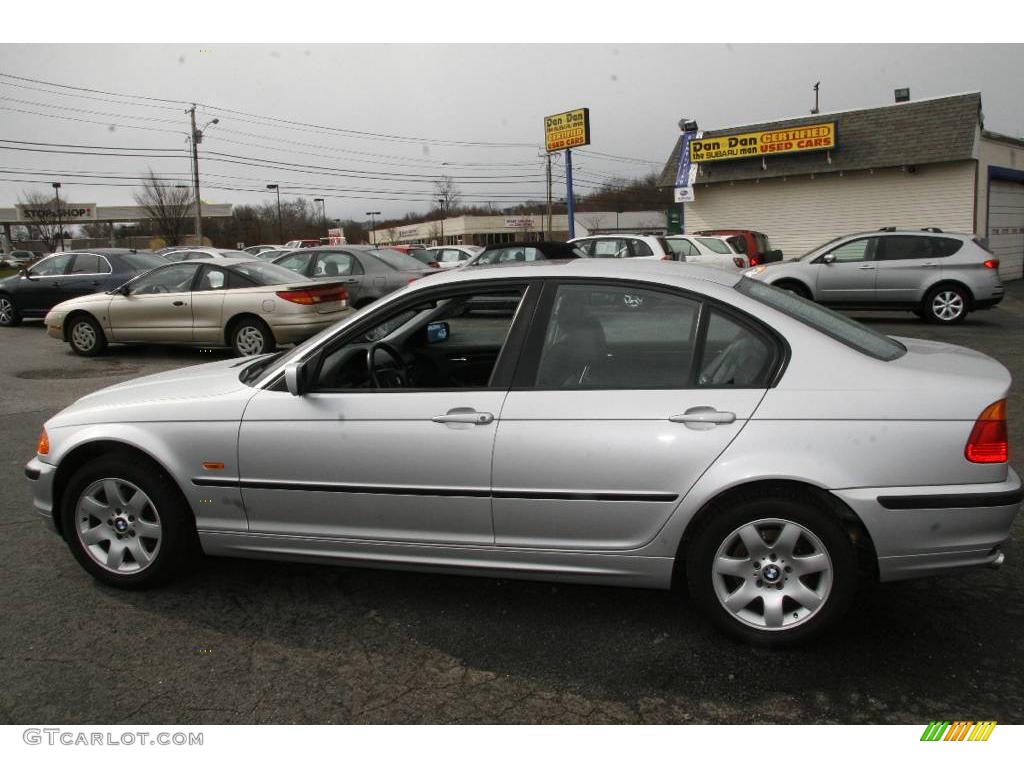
{"type": "Point", "coordinates": [794, 287]}
{"type": "Point", "coordinates": [251, 336]}
{"type": "Point", "coordinates": [834, 588]}
{"type": "Point", "coordinates": [9, 315]}
{"type": "Point", "coordinates": [85, 336]}
{"type": "Point", "coordinates": [171, 551]}
{"type": "Point", "coordinates": [946, 305]}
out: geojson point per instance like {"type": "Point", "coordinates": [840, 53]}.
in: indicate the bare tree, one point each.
{"type": "Point", "coordinates": [168, 206]}
{"type": "Point", "coordinates": [447, 194]}
{"type": "Point", "coordinates": [43, 224]}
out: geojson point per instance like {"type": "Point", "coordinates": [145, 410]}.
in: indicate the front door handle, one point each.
{"type": "Point", "coordinates": [464, 416]}
{"type": "Point", "coordinates": [178, 303]}
{"type": "Point", "coordinates": [703, 417]}
{"type": "Point", "coordinates": [866, 266]}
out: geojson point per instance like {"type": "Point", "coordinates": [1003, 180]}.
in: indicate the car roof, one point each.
{"type": "Point", "coordinates": [924, 232]}
{"type": "Point", "coordinates": [525, 244]}
{"type": "Point", "coordinates": [225, 261]}
{"type": "Point", "coordinates": [670, 272]}
{"type": "Point", "coordinates": [107, 251]}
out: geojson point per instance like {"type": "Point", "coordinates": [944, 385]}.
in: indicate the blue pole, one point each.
{"type": "Point", "coordinates": [568, 194]}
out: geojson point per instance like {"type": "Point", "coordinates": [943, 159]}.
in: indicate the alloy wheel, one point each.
{"type": "Point", "coordinates": [6, 311]}
{"type": "Point", "coordinates": [772, 574]}
{"type": "Point", "coordinates": [947, 305]}
{"type": "Point", "coordinates": [118, 526]}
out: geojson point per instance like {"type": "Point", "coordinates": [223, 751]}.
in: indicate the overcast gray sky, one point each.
{"type": "Point", "coordinates": [436, 109]}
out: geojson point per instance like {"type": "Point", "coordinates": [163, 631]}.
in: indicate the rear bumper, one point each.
{"type": "Point", "coordinates": [988, 303]}
{"type": "Point", "coordinates": [927, 530]}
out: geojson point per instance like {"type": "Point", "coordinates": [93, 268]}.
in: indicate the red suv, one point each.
{"type": "Point", "coordinates": [754, 245]}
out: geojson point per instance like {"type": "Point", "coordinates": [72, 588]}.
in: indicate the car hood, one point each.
{"type": "Point", "coordinates": [211, 391]}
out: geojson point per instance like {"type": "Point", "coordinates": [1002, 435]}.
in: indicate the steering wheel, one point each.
{"type": "Point", "coordinates": [395, 376]}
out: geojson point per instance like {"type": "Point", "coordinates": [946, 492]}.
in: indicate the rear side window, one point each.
{"type": "Point", "coordinates": [734, 356]}
{"type": "Point", "coordinates": [945, 246]}
{"type": "Point", "coordinates": [640, 248]}
{"type": "Point", "coordinates": [714, 244]}
{"type": "Point", "coordinates": [839, 327]}
{"type": "Point", "coordinates": [88, 264]}
{"type": "Point", "coordinates": [739, 243]}
{"type": "Point", "coordinates": [904, 247]}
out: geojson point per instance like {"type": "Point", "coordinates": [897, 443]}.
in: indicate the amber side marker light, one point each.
{"type": "Point", "coordinates": [43, 446]}
{"type": "Point", "coordinates": [989, 443]}
{"type": "Point", "coordinates": [213, 465]}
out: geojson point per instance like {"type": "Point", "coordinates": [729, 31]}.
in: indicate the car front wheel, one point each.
{"type": "Point", "coordinates": [126, 522]}
{"type": "Point", "coordinates": [86, 336]}
{"type": "Point", "coordinates": [947, 304]}
{"type": "Point", "coordinates": [772, 570]}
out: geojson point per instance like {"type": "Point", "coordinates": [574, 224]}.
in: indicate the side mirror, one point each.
{"type": "Point", "coordinates": [828, 258]}
{"type": "Point", "coordinates": [438, 332]}
{"type": "Point", "coordinates": [23, 271]}
{"type": "Point", "coordinates": [296, 378]}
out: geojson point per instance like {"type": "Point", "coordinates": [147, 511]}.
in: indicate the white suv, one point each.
{"type": "Point", "coordinates": [708, 250]}
{"type": "Point", "coordinates": [620, 246]}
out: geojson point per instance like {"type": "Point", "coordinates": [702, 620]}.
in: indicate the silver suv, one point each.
{"type": "Point", "coordinates": [939, 276]}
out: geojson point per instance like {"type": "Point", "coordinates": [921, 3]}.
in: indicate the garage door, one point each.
{"type": "Point", "coordinates": [1006, 227]}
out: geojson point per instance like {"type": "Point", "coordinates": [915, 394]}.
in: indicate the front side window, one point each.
{"type": "Point", "coordinates": [173, 279]}
{"type": "Point", "coordinates": [682, 247]}
{"type": "Point", "coordinates": [55, 265]}
{"type": "Point", "coordinates": [618, 337]}
{"type": "Point", "coordinates": [452, 342]}
{"type": "Point", "coordinates": [855, 250]}
{"type": "Point", "coordinates": [610, 248]}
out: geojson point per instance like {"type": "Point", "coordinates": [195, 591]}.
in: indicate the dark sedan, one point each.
{"type": "Point", "coordinates": [510, 253]}
{"type": "Point", "coordinates": [367, 272]}
{"type": "Point", "coordinates": [34, 291]}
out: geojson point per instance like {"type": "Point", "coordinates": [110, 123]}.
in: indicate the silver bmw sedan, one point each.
{"type": "Point", "coordinates": [638, 424]}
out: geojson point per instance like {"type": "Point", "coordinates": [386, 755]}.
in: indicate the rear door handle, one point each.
{"type": "Point", "coordinates": [178, 303]}
{"type": "Point", "coordinates": [866, 266]}
{"type": "Point", "coordinates": [464, 416]}
{"type": "Point", "coordinates": [703, 417]}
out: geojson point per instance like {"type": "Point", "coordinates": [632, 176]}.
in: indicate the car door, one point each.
{"type": "Point", "coordinates": [625, 396]}
{"type": "Point", "coordinates": [87, 274]}
{"type": "Point", "coordinates": [401, 463]}
{"type": "Point", "coordinates": [846, 273]}
{"type": "Point", "coordinates": [905, 265]}
{"type": "Point", "coordinates": [207, 300]}
{"type": "Point", "coordinates": [43, 285]}
{"type": "Point", "coordinates": [156, 307]}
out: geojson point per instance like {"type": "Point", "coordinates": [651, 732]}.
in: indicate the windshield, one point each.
{"type": "Point", "coordinates": [268, 273]}
{"type": "Point", "coordinates": [718, 246]}
{"type": "Point", "coordinates": [396, 259]}
{"type": "Point", "coordinates": [839, 327]}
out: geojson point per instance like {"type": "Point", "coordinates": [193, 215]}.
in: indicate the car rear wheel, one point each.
{"type": "Point", "coordinates": [9, 316]}
{"type": "Point", "coordinates": [251, 336]}
{"type": "Point", "coordinates": [86, 337]}
{"type": "Point", "coordinates": [946, 304]}
{"type": "Point", "coordinates": [773, 570]}
{"type": "Point", "coordinates": [126, 522]}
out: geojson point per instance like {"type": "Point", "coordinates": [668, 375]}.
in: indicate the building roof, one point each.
{"type": "Point", "coordinates": [909, 133]}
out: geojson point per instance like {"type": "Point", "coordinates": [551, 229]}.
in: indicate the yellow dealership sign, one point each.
{"type": "Point", "coordinates": [567, 130]}
{"type": "Point", "coordinates": [806, 138]}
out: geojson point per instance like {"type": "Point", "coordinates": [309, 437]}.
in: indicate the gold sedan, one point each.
{"type": "Point", "coordinates": [249, 305]}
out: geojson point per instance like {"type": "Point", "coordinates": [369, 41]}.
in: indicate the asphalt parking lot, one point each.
{"type": "Point", "coordinates": [257, 642]}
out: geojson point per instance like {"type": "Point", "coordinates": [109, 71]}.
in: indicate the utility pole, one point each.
{"type": "Point", "coordinates": [195, 174]}
{"type": "Point", "coordinates": [549, 195]}
{"type": "Point", "coordinates": [60, 222]}
{"type": "Point", "coordinates": [373, 226]}
{"type": "Point", "coordinates": [440, 202]}
{"type": "Point", "coordinates": [280, 231]}
{"type": "Point", "coordinates": [815, 110]}
{"type": "Point", "coordinates": [571, 209]}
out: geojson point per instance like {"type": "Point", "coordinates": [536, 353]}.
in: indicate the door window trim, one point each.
{"type": "Point", "coordinates": [525, 376]}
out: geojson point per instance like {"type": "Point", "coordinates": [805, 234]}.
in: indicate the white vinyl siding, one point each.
{"type": "Point", "coordinates": [1006, 227]}
{"type": "Point", "coordinates": [800, 213]}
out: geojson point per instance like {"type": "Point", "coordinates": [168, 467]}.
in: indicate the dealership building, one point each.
{"type": "Point", "coordinates": [803, 181]}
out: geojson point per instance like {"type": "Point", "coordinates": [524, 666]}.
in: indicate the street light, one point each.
{"type": "Point", "coordinates": [440, 202]}
{"type": "Point", "coordinates": [197, 138]}
{"type": "Point", "coordinates": [276, 188]}
{"type": "Point", "coordinates": [373, 226]}
{"type": "Point", "coordinates": [60, 223]}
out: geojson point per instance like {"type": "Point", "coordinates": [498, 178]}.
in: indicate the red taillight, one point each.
{"type": "Point", "coordinates": [754, 261]}
{"type": "Point", "coordinates": [991, 263]}
{"type": "Point", "coordinates": [988, 443]}
{"type": "Point", "coordinates": [311, 296]}
{"type": "Point", "coordinates": [738, 262]}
